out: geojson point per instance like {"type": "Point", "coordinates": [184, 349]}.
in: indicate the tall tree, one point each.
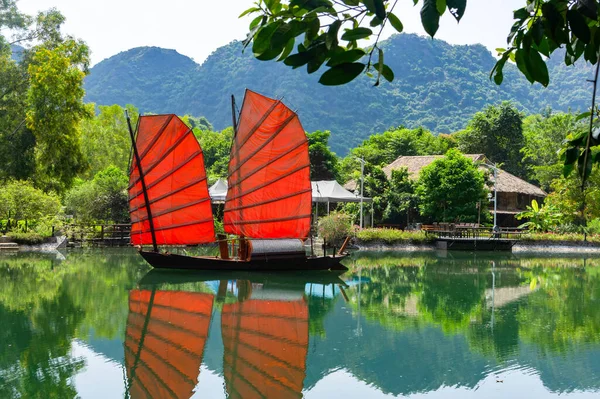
{"type": "Point", "coordinates": [56, 109]}
{"type": "Point", "coordinates": [450, 188]}
{"type": "Point", "coordinates": [324, 164]}
{"type": "Point", "coordinates": [496, 132]}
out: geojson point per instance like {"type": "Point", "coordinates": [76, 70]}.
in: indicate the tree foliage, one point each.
{"type": "Point", "coordinates": [496, 132]}
{"type": "Point", "coordinates": [314, 33]}
{"type": "Point", "coordinates": [543, 134]}
{"type": "Point", "coordinates": [104, 198]}
{"type": "Point", "coordinates": [56, 108]}
{"type": "Point", "coordinates": [324, 164]}
{"type": "Point", "coordinates": [20, 200]}
{"type": "Point", "coordinates": [450, 188]}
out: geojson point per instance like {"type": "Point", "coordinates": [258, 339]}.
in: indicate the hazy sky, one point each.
{"type": "Point", "coordinates": [197, 27]}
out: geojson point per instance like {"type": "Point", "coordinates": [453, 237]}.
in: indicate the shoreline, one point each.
{"type": "Point", "coordinates": [557, 247]}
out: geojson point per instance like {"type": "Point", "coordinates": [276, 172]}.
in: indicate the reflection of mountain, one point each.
{"type": "Point", "coordinates": [166, 334]}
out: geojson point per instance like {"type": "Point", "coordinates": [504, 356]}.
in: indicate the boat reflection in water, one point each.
{"type": "Point", "coordinates": [264, 330]}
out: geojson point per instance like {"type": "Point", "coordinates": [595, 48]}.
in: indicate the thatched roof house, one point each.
{"type": "Point", "coordinates": [507, 183]}
{"type": "Point", "coordinates": [514, 193]}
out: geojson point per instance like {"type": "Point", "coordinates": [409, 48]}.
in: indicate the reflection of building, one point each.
{"type": "Point", "coordinates": [514, 194]}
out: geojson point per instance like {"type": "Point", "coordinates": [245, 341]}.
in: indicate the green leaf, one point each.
{"type": "Point", "coordinates": [430, 17]}
{"type": "Point", "coordinates": [457, 8]}
{"type": "Point", "coordinates": [289, 47]}
{"type": "Point", "coordinates": [379, 9]}
{"type": "Point", "coordinates": [567, 169]}
{"type": "Point", "coordinates": [356, 34]}
{"type": "Point", "coordinates": [331, 40]}
{"type": "Point", "coordinates": [590, 54]}
{"type": "Point", "coordinates": [387, 73]}
{"type": "Point", "coordinates": [346, 57]}
{"type": "Point", "coordinates": [341, 74]}
{"type": "Point", "coordinates": [571, 155]}
{"type": "Point", "coordinates": [539, 69]}
{"type": "Point", "coordinates": [585, 170]}
{"type": "Point", "coordinates": [521, 62]}
{"type": "Point", "coordinates": [579, 26]}
{"type": "Point", "coordinates": [375, 22]}
{"type": "Point", "coordinates": [440, 5]}
{"type": "Point", "coordinates": [249, 11]}
{"type": "Point", "coordinates": [583, 115]}
{"type": "Point", "coordinates": [319, 55]}
{"type": "Point", "coordinates": [537, 31]}
{"type": "Point", "coordinates": [262, 41]}
{"type": "Point", "coordinates": [521, 13]}
{"type": "Point", "coordinates": [395, 22]}
{"type": "Point", "coordinates": [313, 28]}
{"type": "Point", "coordinates": [589, 8]}
{"type": "Point", "coordinates": [535, 206]}
{"type": "Point", "coordinates": [298, 59]}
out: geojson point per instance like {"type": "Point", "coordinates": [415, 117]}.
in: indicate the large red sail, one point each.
{"type": "Point", "coordinates": [265, 346]}
{"type": "Point", "coordinates": [173, 170]}
{"type": "Point", "coordinates": [164, 343]}
{"type": "Point", "coordinates": [269, 193]}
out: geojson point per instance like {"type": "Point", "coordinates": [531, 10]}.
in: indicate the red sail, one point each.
{"type": "Point", "coordinates": [164, 343]}
{"type": "Point", "coordinates": [269, 193]}
{"type": "Point", "coordinates": [175, 177]}
{"type": "Point", "coordinates": [265, 346]}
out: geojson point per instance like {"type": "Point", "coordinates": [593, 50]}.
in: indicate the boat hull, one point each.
{"type": "Point", "coordinates": [174, 262]}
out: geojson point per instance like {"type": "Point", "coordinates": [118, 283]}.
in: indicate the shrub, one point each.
{"type": "Point", "coordinates": [26, 238]}
{"type": "Point", "coordinates": [392, 236]}
{"type": "Point", "coordinates": [334, 227]}
{"type": "Point", "coordinates": [594, 226]}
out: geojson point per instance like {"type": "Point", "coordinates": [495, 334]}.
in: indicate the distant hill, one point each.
{"type": "Point", "coordinates": [437, 85]}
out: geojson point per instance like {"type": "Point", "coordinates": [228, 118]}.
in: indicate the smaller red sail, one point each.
{"type": "Point", "coordinates": [175, 177]}
{"type": "Point", "coordinates": [265, 346]}
{"type": "Point", "coordinates": [269, 194]}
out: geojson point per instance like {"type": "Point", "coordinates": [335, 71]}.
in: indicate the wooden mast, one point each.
{"type": "Point", "coordinates": [144, 190]}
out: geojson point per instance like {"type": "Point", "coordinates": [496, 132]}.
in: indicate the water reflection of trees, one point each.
{"type": "Point", "coordinates": [44, 304]}
{"type": "Point", "coordinates": [549, 302]}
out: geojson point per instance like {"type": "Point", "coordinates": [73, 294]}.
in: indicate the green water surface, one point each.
{"type": "Point", "coordinates": [100, 324]}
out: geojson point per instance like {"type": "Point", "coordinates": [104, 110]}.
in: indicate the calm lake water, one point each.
{"type": "Point", "coordinates": [100, 324]}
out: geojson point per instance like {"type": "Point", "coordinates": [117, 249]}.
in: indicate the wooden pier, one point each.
{"type": "Point", "coordinates": [473, 238]}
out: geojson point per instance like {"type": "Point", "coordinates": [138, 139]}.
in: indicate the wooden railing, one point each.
{"type": "Point", "coordinates": [470, 232]}
{"type": "Point", "coordinates": [98, 234]}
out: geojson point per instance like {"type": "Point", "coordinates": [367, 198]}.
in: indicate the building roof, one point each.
{"type": "Point", "coordinates": [332, 191]}
{"type": "Point", "coordinates": [507, 183]}
{"type": "Point", "coordinates": [322, 191]}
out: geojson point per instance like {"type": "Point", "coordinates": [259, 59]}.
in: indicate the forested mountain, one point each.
{"type": "Point", "coordinates": [437, 85]}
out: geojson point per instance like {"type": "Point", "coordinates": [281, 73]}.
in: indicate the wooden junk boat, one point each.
{"type": "Point", "coordinates": [268, 203]}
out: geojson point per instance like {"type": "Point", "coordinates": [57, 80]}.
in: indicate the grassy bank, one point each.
{"type": "Point", "coordinates": [399, 237]}
{"type": "Point", "coordinates": [567, 239]}
{"type": "Point", "coordinates": [392, 236]}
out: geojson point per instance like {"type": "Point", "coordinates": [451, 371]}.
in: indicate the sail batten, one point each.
{"type": "Point", "coordinates": [175, 183]}
{"type": "Point", "coordinates": [165, 154]}
{"type": "Point", "coordinates": [269, 173]}
{"type": "Point", "coordinates": [170, 172]}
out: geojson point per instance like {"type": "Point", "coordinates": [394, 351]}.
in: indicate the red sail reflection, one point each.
{"type": "Point", "coordinates": [165, 339]}
{"type": "Point", "coordinates": [265, 345]}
